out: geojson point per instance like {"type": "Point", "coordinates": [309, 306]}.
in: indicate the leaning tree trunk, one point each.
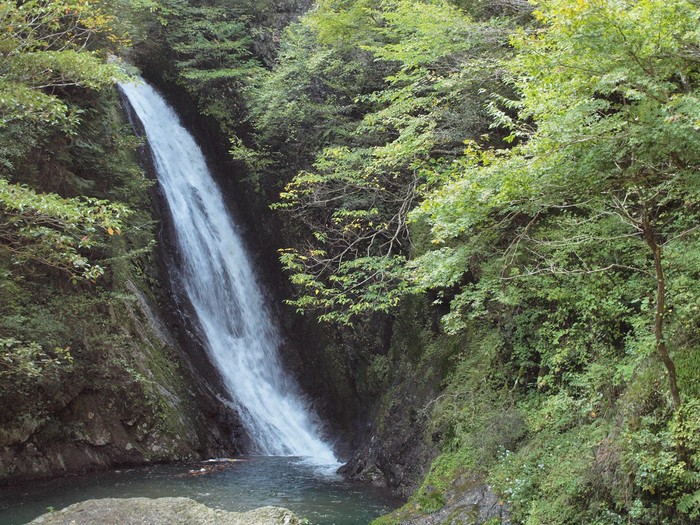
{"type": "Point", "coordinates": [661, 347]}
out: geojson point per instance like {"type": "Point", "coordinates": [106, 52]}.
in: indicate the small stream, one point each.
{"type": "Point", "coordinates": [322, 497]}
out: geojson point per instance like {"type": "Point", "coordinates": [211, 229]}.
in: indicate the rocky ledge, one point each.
{"type": "Point", "coordinates": [469, 502]}
{"type": "Point", "coordinates": [161, 511]}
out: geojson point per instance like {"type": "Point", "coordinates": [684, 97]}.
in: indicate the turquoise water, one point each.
{"type": "Point", "coordinates": [322, 497]}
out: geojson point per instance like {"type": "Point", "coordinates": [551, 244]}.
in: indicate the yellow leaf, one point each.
{"type": "Point", "coordinates": [110, 231]}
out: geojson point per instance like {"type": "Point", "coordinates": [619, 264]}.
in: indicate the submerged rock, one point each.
{"type": "Point", "coordinates": [161, 511]}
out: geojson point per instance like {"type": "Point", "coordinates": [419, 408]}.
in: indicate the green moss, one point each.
{"type": "Point", "coordinates": [430, 501]}
{"type": "Point", "coordinates": [407, 512]}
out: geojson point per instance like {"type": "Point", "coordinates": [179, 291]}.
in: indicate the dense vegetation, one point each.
{"type": "Point", "coordinates": [526, 174]}
{"type": "Point", "coordinates": [535, 175]}
{"type": "Point", "coordinates": [82, 376]}
{"type": "Point", "coordinates": [46, 145]}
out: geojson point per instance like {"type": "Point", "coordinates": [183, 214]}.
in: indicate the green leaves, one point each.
{"type": "Point", "coordinates": [561, 242]}
{"type": "Point", "coordinates": [212, 58]}
{"type": "Point", "coordinates": [19, 102]}
{"type": "Point", "coordinates": [47, 48]}
{"type": "Point", "coordinates": [54, 231]}
{"type": "Point", "coordinates": [608, 86]}
{"type": "Point", "coordinates": [433, 39]}
{"type": "Point", "coordinates": [23, 363]}
{"type": "Point", "coordinates": [356, 197]}
{"type": "Point", "coordinates": [357, 287]}
{"type": "Point", "coordinates": [44, 48]}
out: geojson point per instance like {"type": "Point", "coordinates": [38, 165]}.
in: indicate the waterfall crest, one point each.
{"type": "Point", "coordinates": [216, 273]}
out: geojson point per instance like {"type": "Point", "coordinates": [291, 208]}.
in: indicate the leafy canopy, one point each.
{"type": "Point", "coordinates": [356, 196]}
{"type": "Point", "coordinates": [46, 46]}
{"type": "Point", "coordinates": [49, 48]}
{"type": "Point", "coordinates": [607, 138]}
{"type": "Point", "coordinates": [578, 243]}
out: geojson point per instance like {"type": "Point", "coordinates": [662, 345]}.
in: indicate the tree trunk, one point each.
{"type": "Point", "coordinates": [660, 311]}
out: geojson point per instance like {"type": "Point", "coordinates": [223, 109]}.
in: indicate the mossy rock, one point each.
{"type": "Point", "coordinates": [165, 511]}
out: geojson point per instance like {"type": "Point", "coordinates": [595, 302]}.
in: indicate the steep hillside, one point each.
{"type": "Point", "coordinates": [90, 375]}
{"type": "Point", "coordinates": [487, 211]}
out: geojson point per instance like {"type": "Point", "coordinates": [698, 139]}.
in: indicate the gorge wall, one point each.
{"type": "Point", "coordinates": [121, 390]}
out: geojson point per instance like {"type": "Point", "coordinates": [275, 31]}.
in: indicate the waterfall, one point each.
{"type": "Point", "coordinates": [240, 335]}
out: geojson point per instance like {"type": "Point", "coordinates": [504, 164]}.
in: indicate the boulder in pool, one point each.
{"type": "Point", "coordinates": [161, 511]}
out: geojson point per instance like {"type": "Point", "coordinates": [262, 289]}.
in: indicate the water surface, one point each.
{"type": "Point", "coordinates": [321, 497]}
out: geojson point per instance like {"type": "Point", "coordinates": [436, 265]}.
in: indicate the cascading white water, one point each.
{"type": "Point", "coordinates": [241, 336]}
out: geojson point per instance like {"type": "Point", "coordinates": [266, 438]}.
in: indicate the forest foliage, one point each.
{"type": "Point", "coordinates": [51, 51]}
{"type": "Point", "coordinates": [531, 169]}
{"type": "Point", "coordinates": [74, 211]}
{"type": "Point", "coordinates": [534, 170]}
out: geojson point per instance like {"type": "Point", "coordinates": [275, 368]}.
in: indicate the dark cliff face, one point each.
{"type": "Point", "coordinates": [126, 400]}
{"type": "Point", "coordinates": [133, 403]}
{"type": "Point", "coordinates": [400, 383]}
{"type": "Point", "coordinates": [177, 314]}
{"type": "Point", "coordinates": [270, 24]}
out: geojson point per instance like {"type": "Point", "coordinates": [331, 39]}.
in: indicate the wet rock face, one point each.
{"type": "Point", "coordinates": [396, 457]}
{"type": "Point", "coordinates": [477, 506]}
{"type": "Point", "coordinates": [133, 405]}
{"type": "Point", "coordinates": [396, 450]}
{"type": "Point", "coordinates": [271, 24]}
{"type": "Point", "coordinates": [161, 511]}
{"type": "Point", "coordinates": [469, 502]}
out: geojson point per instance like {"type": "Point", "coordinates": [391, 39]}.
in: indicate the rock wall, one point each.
{"type": "Point", "coordinates": [396, 448]}
{"type": "Point", "coordinates": [103, 374]}
{"type": "Point", "coordinates": [134, 404]}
